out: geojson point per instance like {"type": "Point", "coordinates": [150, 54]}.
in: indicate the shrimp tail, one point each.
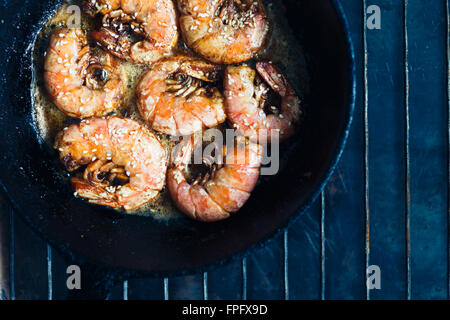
{"type": "Point", "coordinates": [182, 152]}
{"type": "Point", "coordinates": [131, 198]}
{"type": "Point", "coordinates": [202, 70]}
{"type": "Point", "coordinates": [274, 78]}
{"type": "Point", "coordinates": [94, 194]}
{"type": "Point", "coordinates": [119, 43]}
{"type": "Point", "coordinates": [90, 7]}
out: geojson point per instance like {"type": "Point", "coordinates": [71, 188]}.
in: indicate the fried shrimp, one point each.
{"type": "Point", "coordinates": [175, 96]}
{"type": "Point", "coordinates": [222, 191]}
{"type": "Point", "coordinates": [224, 31]}
{"type": "Point", "coordinates": [80, 83]}
{"type": "Point", "coordinates": [246, 102]}
{"type": "Point", "coordinates": [126, 163]}
{"type": "Point", "coordinates": [153, 23]}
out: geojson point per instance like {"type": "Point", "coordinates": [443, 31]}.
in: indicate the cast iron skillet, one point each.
{"type": "Point", "coordinates": [119, 243]}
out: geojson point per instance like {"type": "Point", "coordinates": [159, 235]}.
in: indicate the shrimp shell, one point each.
{"type": "Point", "coordinates": [129, 146]}
{"type": "Point", "coordinates": [224, 31]}
{"type": "Point", "coordinates": [153, 20]}
{"type": "Point", "coordinates": [225, 192]}
{"type": "Point", "coordinates": [66, 71]}
{"type": "Point", "coordinates": [245, 101]}
{"type": "Point", "coordinates": [186, 109]}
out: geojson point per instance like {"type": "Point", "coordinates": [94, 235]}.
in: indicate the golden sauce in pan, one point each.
{"type": "Point", "coordinates": [282, 48]}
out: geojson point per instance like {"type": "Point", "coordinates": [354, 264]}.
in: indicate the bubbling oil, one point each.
{"type": "Point", "coordinates": [282, 48]}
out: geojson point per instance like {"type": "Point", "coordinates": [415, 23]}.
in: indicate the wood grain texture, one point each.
{"type": "Point", "coordinates": [304, 256]}
{"type": "Point", "coordinates": [6, 278]}
{"type": "Point", "coordinates": [266, 272]}
{"type": "Point", "coordinates": [344, 196]}
{"type": "Point", "coordinates": [225, 283]}
{"type": "Point", "coordinates": [386, 123]}
{"type": "Point", "coordinates": [428, 137]}
{"type": "Point", "coordinates": [186, 288]}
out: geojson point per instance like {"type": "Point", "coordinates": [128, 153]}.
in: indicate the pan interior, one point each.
{"type": "Point", "coordinates": [282, 47]}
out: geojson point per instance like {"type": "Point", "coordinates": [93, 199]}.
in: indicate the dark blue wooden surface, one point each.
{"type": "Point", "coordinates": [386, 149]}
{"type": "Point", "coordinates": [386, 205]}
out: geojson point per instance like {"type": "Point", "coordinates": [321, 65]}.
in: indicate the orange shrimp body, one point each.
{"type": "Point", "coordinates": [155, 21]}
{"type": "Point", "coordinates": [70, 74]}
{"type": "Point", "coordinates": [172, 99]}
{"type": "Point", "coordinates": [245, 103]}
{"type": "Point", "coordinates": [225, 192]}
{"type": "Point", "coordinates": [224, 31]}
{"type": "Point", "coordinates": [126, 163]}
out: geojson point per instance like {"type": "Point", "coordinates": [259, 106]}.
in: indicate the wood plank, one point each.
{"type": "Point", "coordinates": [59, 267]}
{"type": "Point", "coordinates": [117, 292]}
{"type": "Point", "coordinates": [225, 283]}
{"type": "Point", "coordinates": [428, 152]}
{"type": "Point", "coordinates": [386, 114]}
{"type": "Point", "coordinates": [344, 228]}
{"type": "Point", "coordinates": [447, 11]}
{"type": "Point", "coordinates": [186, 288]}
{"type": "Point", "coordinates": [146, 289]}
{"type": "Point", "coordinates": [265, 272]}
{"type": "Point", "coordinates": [304, 256]}
{"type": "Point", "coordinates": [6, 290]}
